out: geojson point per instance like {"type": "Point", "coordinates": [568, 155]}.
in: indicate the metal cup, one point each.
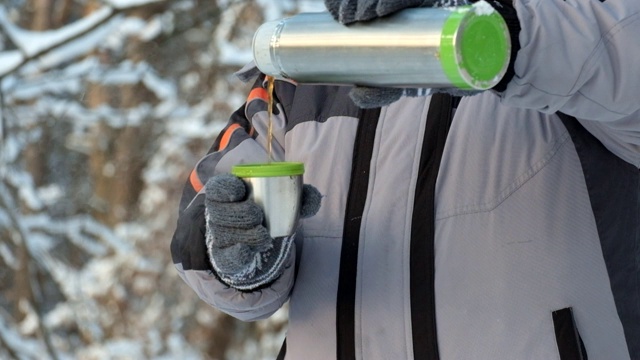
{"type": "Point", "coordinates": [277, 188]}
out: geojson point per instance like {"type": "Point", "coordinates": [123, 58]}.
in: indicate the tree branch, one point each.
{"type": "Point", "coordinates": [27, 58]}
{"type": "Point", "coordinates": [6, 345]}
{"type": "Point", "coordinates": [21, 232]}
{"type": "Point", "coordinates": [2, 125]}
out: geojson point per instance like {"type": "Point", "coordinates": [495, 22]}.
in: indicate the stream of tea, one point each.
{"type": "Point", "coordinates": [270, 84]}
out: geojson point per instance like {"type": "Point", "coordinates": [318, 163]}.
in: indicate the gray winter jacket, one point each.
{"type": "Point", "coordinates": [516, 238]}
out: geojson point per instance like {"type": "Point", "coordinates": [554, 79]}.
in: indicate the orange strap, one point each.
{"type": "Point", "coordinates": [226, 136]}
{"type": "Point", "coordinates": [194, 179]}
{"type": "Point", "coordinates": [258, 93]}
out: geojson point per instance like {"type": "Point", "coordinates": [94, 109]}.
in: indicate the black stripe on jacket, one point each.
{"type": "Point", "coordinates": [422, 253]}
{"type": "Point", "coordinates": [614, 192]}
{"type": "Point", "coordinates": [346, 300]}
{"type": "Point", "coordinates": [422, 257]}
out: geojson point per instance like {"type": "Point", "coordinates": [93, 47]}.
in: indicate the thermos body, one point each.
{"type": "Point", "coordinates": [420, 47]}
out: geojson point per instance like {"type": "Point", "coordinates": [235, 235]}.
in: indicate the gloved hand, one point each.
{"type": "Point", "coordinates": [373, 97]}
{"type": "Point", "coordinates": [243, 254]}
{"type": "Point", "coordinates": [350, 11]}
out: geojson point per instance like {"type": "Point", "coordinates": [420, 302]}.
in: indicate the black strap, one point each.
{"type": "Point", "coordinates": [345, 308]}
{"type": "Point", "coordinates": [570, 345]}
{"type": "Point", "coordinates": [422, 254]}
{"type": "Point", "coordinates": [283, 350]}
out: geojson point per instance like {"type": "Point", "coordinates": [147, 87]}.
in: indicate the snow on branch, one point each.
{"type": "Point", "coordinates": [127, 4]}
{"type": "Point", "coordinates": [34, 44]}
{"type": "Point", "coordinates": [13, 343]}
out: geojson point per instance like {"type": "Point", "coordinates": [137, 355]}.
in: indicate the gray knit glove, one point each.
{"type": "Point", "coordinates": [240, 249]}
{"type": "Point", "coordinates": [350, 11]}
{"type": "Point", "coordinates": [373, 97]}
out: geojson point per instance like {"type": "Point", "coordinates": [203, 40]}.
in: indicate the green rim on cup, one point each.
{"type": "Point", "coordinates": [268, 169]}
{"type": "Point", "coordinates": [475, 47]}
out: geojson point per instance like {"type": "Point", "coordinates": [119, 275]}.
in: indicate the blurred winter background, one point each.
{"type": "Point", "coordinates": [105, 106]}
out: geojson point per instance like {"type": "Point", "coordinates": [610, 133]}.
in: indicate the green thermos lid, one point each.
{"type": "Point", "coordinates": [475, 47]}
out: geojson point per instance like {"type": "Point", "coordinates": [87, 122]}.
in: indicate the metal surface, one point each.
{"type": "Point", "coordinates": [401, 50]}
{"type": "Point", "coordinates": [280, 199]}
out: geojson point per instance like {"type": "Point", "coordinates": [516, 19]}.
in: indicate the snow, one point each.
{"type": "Point", "coordinates": [77, 47]}
{"type": "Point", "coordinates": [123, 4]}
{"type": "Point", "coordinates": [34, 42]}
{"type": "Point", "coordinates": [118, 349]}
{"type": "Point", "coordinates": [28, 325]}
{"type": "Point", "coordinates": [61, 315]}
{"type": "Point", "coordinates": [152, 29]}
{"type": "Point", "coordinates": [44, 86]}
{"type": "Point", "coordinates": [27, 347]}
{"type": "Point", "coordinates": [50, 194]}
{"type": "Point", "coordinates": [9, 59]}
{"type": "Point", "coordinates": [163, 89]}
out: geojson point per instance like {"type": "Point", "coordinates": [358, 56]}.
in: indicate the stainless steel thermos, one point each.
{"type": "Point", "coordinates": [466, 47]}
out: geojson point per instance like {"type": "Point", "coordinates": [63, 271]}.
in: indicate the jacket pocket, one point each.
{"type": "Point", "coordinates": [570, 345]}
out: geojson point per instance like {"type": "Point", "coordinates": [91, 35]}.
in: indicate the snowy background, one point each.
{"type": "Point", "coordinates": [105, 107]}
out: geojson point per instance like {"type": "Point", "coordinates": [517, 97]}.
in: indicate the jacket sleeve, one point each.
{"type": "Point", "coordinates": [580, 57]}
{"type": "Point", "coordinates": [241, 141]}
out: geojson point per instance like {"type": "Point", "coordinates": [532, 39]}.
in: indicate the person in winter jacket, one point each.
{"type": "Point", "coordinates": [503, 225]}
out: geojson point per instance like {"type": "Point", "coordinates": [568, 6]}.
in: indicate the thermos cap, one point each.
{"type": "Point", "coordinates": [272, 169]}
{"type": "Point", "coordinates": [475, 48]}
